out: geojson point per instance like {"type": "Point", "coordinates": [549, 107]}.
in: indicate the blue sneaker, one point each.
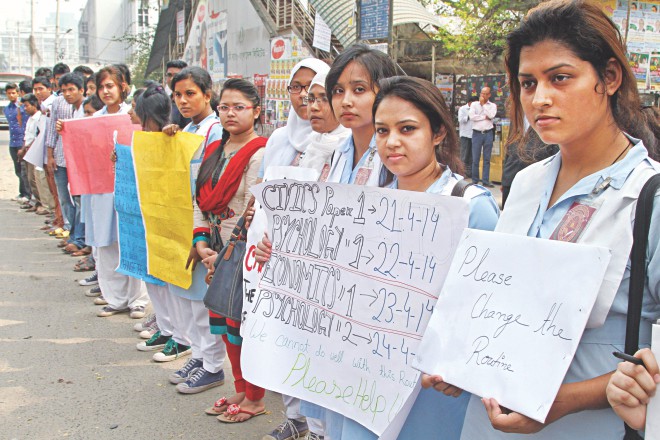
{"type": "Point", "coordinates": [182, 375]}
{"type": "Point", "coordinates": [201, 380]}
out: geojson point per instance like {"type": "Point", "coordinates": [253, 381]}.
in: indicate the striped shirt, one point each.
{"type": "Point", "coordinates": [60, 110]}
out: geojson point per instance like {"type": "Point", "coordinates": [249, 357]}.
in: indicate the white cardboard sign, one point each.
{"type": "Point", "coordinates": [510, 316]}
{"type": "Point", "coordinates": [340, 308]}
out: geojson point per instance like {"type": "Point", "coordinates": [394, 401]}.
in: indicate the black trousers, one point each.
{"type": "Point", "coordinates": [23, 185]}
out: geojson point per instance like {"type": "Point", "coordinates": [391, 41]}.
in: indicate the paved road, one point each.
{"type": "Point", "coordinates": [66, 374]}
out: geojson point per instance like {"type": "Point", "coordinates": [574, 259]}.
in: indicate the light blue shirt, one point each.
{"type": "Point", "coordinates": [594, 353]}
{"type": "Point", "coordinates": [347, 149]}
{"type": "Point", "coordinates": [433, 414]}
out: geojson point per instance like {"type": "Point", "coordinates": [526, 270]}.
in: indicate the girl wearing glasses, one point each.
{"type": "Point", "coordinates": [287, 143]}
{"type": "Point", "coordinates": [229, 169]}
{"type": "Point", "coordinates": [327, 135]}
{"type": "Point", "coordinates": [285, 147]}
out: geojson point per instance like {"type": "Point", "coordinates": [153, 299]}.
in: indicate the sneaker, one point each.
{"type": "Point", "coordinates": [109, 311]}
{"type": "Point", "coordinates": [94, 292]}
{"type": "Point", "coordinates": [312, 436]}
{"type": "Point", "coordinates": [201, 380]}
{"type": "Point", "coordinates": [182, 375]}
{"type": "Point", "coordinates": [290, 429]}
{"type": "Point", "coordinates": [156, 342]}
{"type": "Point", "coordinates": [171, 351]}
{"type": "Point", "coordinates": [100, 301]}
{"type": "Point", "coordinates": [137, 312]}
{"type": "Point", "coordinates": [148, 322]}
{"type": "Point", "coordinates": [149, 332]}
{"type": "Point", "coordinates": [22, 199]}
{"type": "Point", "coordinates": [487, 184]}
{"type": "Point", "coordinates": [90, 280]}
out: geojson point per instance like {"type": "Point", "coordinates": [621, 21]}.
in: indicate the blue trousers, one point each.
{"type": "Point", "coordinates": [70, 209]}
{"type": "Point", "coordinates": [481, 141]}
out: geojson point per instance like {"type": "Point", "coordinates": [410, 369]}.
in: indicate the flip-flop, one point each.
{"type": "Point", "coordinates": [84, 266]}
{"type": "Point", "coordinates": [216, 408]}
{"type": "Point", "coordinates": [82, 252]}
{"type": "Point", "coordinates": [234, 409]}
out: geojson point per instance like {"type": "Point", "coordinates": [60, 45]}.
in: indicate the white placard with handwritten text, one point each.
{"type": "Point", "coordinates": [510, 317]}
{"type": "Point", "coordinates": [342, 304]}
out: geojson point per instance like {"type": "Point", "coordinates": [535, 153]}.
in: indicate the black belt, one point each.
{"type": "Point", "coordinates": [483, 131]}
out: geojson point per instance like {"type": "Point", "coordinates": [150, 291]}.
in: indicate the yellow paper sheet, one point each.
{"type": "Point", "coordinates": [162, 168]}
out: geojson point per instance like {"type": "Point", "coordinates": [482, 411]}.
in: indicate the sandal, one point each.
{"type": "Point", "coordinates": [71, 248]}
{"type": "Point", "coordinates": [219, 407]}
{"type": "Point", "coordinates": [234, 409]}
{"type": "Point", "coordinates": [82, 252]}
{"type": "Point", "coordinates": [84, 266]}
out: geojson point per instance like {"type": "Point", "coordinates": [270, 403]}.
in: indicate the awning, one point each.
{"type": "Point", "coordinates": [164, 31]}
{"type": "Point", "coordinates": [338, 14]}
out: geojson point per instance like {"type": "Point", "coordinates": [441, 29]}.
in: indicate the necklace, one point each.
{"type": "Point", "coordinates": [621, 154]}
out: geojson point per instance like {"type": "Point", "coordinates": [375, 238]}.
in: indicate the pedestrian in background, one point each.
{"type": "Point", "coordinates": [482, 113]}
{"type": "Point", "coordinates": [465, 133]}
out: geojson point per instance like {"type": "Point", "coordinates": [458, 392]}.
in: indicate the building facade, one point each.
{"type": "Point", "coordinates": [108, 28]}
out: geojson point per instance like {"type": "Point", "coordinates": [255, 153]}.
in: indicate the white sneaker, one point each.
{"type": "Point", "coordinates": [137, 312]}
{"type": "Point", "coordinates": [148, 333]}
{"type": "Point", "coordinates": [100, 301]}
{"type": "Point", "coordinates": [146, 324]}
{"type": "Point", "coordinates": [90, 280]}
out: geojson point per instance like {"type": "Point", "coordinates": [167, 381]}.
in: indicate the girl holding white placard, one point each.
{"type": "Point", "coordinates": [569, 76]}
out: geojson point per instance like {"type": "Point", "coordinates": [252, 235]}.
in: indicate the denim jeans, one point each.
{"type": "Point", "coordinates": [481, 141]}
{"type": "Point", "coordinates": [66, 203]}
{"type": "Point", "coordinates": [77, 236]}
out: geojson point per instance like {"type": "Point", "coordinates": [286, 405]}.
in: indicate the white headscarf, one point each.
{"type": "Point", "coordinates": [299, 130]}
{"type": "Point", "coordinates": [322, 145]}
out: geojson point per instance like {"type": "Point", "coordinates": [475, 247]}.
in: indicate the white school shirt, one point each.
{"type": "Point", "coordinates": [527, 213]}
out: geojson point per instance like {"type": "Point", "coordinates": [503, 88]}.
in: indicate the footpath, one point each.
{"type": "Point", "coordinates": [66, 374]}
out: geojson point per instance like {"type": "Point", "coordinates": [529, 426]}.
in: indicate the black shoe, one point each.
{"type": "Point", "coordinates": [488, 185]}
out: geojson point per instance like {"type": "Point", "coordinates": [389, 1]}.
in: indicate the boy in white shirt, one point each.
{"type": "Point", "coordinates": [31, 107]}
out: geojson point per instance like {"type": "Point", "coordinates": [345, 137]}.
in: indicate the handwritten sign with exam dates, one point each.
{"type": "Point", "coordinates": [341, 306]}
{"type": "Point", "coordinates": [510, 317]}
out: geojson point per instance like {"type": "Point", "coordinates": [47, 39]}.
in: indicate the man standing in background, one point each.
{"type": "Point", "coordinates": [465, 133]}
{"type": "Point", "coordinates": [482, 114]}
{"type": "Point", "coordinates": [17, 119]}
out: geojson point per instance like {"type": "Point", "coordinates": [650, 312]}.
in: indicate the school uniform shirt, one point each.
{"type": "Point", "coordinates": [211, 129]}
{"type": "Point", "coordinates": [31, 128]}
{"type": "Point", "coordinates": [342, 169]}
{"type": "Point", "coordinates": [98, 210]}
{"type": "Point", "coordinates": [527, 213]}
{"type": "Point", "coordinates": [433, 415]}
{"type": "Point", "coordinates": [278, 151]}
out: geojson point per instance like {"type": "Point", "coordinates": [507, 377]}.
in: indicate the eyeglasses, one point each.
{"type": "Point", "coordinates": [297, 88]}
{"type": "Point", "coordinates": [313, 99]}
{"type": "Point", "coordinates": [235, 108]}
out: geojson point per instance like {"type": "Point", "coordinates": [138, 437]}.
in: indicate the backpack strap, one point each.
{"type": "Point", "coordinates": [460, 188]}
{"type": "Point", "coordinates": [643, 213]}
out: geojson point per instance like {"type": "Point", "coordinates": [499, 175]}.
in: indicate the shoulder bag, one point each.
{"type": "Point", "coordinates": [225, 293]}
{"type": "Point", "coordinates": [643, 213]}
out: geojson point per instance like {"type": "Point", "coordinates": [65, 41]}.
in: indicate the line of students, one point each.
{"type": "Point", "coordinates": [357, 122]}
